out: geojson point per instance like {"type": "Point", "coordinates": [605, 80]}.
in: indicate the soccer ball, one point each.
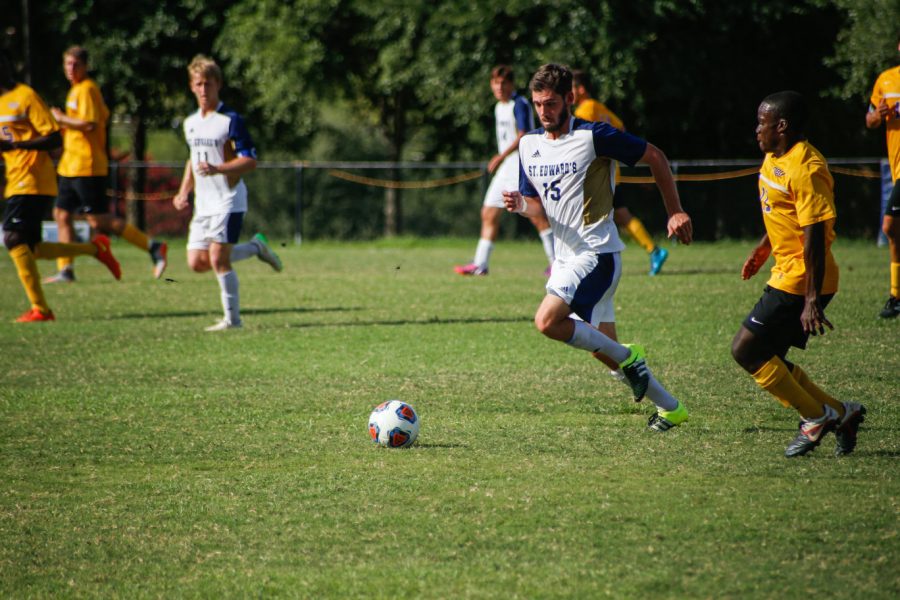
{"type": "Point", "coordinates": [394, 424]}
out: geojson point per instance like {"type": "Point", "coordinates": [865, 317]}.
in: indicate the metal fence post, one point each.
{"type": "Point", "coordinates": [298, 204]}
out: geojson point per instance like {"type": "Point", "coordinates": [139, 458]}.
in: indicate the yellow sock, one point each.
{"type": "Point", "coordinates": [135, 237]}
{"type": "Point", "coordinates": [775, 378]}
{"type": "Point", "coordinates": [640, 235]}
{"type": "Point", "coordinates": [895, 279]}
{"type": "Point", "coordinates": [29, 276]}
{"type": "Point", "coordinates": [815, 391]}
{"type": "Point", "coordinates": [48, 250]}
{"type": "Point", "coordinates": [64, 262]}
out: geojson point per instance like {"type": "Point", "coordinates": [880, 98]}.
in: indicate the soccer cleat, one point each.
{"type": "Point", "coordinates": [891, 308]}
{"type": "Point", "coordinates": [636, 372]}
{"type": "Point", "coordinates": [664, 420]}
{"type": "Point", "coordinates": [854, 414]}
{"type": "Point", "coordinates": [223, 325]}
{"type": "Point", "coordinates": [266, 254]}
{"type": "Point", "coordinates": [159, 252]}
{"type": "Point", "coordinates": [64, 276]}
{"type": "Point", "coordinates": [811, 433]}
{"type": "Point", "coordinates": [470, 269]}
{"type": "Point", "coordinates": [104, 255]}
{"type": "Point", "coordinates": [657, 260]}
{"type": "Point", "coordinates": [35, 316]}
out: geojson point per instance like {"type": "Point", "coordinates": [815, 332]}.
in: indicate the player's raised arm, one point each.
{"type": "Point", "coordinates": [679, 223]}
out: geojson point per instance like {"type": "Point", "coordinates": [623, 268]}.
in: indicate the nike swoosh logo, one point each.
{"type": "Point", "coordinates": [753, 320]}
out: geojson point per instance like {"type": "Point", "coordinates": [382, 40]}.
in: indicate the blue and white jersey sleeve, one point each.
{"type": "Point", "coordinates": [523, 114]}
{"type": "Point", "coordinates": [237, 132]}
{"type": "Point", "coordinates": [613, 143]}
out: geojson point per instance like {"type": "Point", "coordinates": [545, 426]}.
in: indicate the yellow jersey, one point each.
{"type": "Point", "coordinates": [797, 190]}
{"type": "Point", "coordinates": [887, 88]}
{"type": "Point", "coordinates": [84, 152]}
{"type": "Point", "coordinates": [592, 110]}
{"type": "Point", "coordinates": [24, 116]}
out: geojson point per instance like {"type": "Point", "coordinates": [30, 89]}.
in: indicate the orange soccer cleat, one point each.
{"type": "Point", "coordinates": [104, 255]}
{"type": "Point", "coordinates": [35, 316]}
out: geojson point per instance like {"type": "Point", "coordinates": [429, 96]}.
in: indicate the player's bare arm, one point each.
{"type": "Point", "coordinates": [679, 224]}
{"type": "Point", "coordinates": [234, 167]}
{"type": "Point", "coordinates": [757, 258]}
{"type": "Point", "coordinates": [877, 114]}
{"type": "Point", "coordinates": [42, 142]}
{"type": "Point", "coordinates": [813, 315]}
{"type": "Point", "coordinates": [180, 201]}
{"type": "Point", "coordinates": [499, 158]}
{"type": "Point", "coordinates": [72, 122]}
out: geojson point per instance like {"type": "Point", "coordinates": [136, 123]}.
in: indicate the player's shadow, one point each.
{"type": "Point", "coordinates": [244, 311]}
{"type": "Point", "coordinates": [429, 321]}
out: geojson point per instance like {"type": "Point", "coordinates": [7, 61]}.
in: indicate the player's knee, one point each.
{"type": "Point", "coordinates": [891, 228]}
{"type": "Point", "coordinates": [11, 239]}
{"type": "Point", "coordinates": [198, 264]}
{"type": "Point", "coordinates": [544, 323]}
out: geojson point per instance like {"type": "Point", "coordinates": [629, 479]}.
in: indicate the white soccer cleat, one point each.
{"type": "Point", "coordinates": [223, 325]}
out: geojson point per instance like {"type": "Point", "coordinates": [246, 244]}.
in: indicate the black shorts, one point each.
{"type": "Point", "coordinates": [776, 319]}
{"type": "Point", "coordinates": [25, 214]}
{"type": "Point", "coordinates": [83, 195]}
{"type": "Point", "coordinates": [618, 200]}
{"type": "Point", "coordinates": [893, 205]}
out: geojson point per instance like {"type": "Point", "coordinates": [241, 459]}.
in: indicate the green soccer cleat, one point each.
{"type": "Point", "coordinates": [636, 372]}
{"type": "Point", "coordinates": [664, 420]}
{"type": "Point", "coordinates": [266, 254]}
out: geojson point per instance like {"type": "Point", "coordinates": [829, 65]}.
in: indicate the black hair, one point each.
{"type": "Point", "coordinates": [791, 107]}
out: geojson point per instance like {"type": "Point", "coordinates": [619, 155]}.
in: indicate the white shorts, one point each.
{"type": "Point", "coordinates": [222, 229]}
{"type": "Point", "coordinates": [506, 178]}
{"type": "Point", "coordinates": [587, 283]}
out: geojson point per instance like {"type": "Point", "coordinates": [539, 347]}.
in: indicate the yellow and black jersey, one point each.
{"type": "Point", "coordinates": [24, 116]}
{"type": "Point", "coordinates": [797, 190]}
{"type": "Point", "coordinates": [84, 152]}
{"type": "Point", "coordinates": [597, 112]}
{"type": "Point", "coordinates": [887, 88]}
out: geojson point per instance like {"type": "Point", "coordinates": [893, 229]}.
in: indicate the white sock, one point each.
{"type": "Point", "coordinates": [243, 251]}
{"type": "Point", "coordinates": [590, 339]}
{"type": "Point", "coordinates": [228, 283]}
{"type": "Point", "coordinates": [483, 253]}
{"type": "Point", "coordinates": [547, 240]}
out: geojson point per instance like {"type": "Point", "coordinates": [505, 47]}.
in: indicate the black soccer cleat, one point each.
{"type": "Point", "coordinates": [636, 371]}
{"type": "Point", "coordinates": [811, 433]}
{"type": "Point", "coordinates": [848, 428]}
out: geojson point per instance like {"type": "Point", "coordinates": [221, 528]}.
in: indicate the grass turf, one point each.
{"type": "Point", "coordinates": [143, 457]}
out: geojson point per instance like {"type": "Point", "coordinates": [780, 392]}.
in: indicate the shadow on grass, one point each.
{"type": "Point", "coordinates": [427, 446]}
{"type": "Point", "coordinates": [244, 311]}
{"type": "Point", "coordinates": [698, 271]}
{"type": "Point", "coordinates": [430, 321]}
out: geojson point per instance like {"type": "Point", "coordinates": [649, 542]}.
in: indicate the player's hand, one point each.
{"type": "Point", "coordinates": [494, 163]}
{"type": "Point", "coordinates": [180, 201]}
{"type": "Point", "coordinates": [205, 168]}
{"type": "Point", "coordinates": [57, 113]}
{"type": "Point", "coordinates": [680, 226]}
{"type": "Point", "coordinates": [514, 201]}
{"type": "Point", "coordinates": [884, 111]}
{"type": "Point", "coordinates": [813, 318]}
{"type": "Point", "coordinates": [754, 263]}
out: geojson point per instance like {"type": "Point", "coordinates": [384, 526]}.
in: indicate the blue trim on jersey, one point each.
{"type": "Point", "coordinates": [612, 143]}
{"type": "Point", "coordinates": [522, 112]}
{"type": "Point", "coordinates": [594, 286]}
{"type": "Point", "coordinates": [234, 226]}
{"type": "Point", "coordinates": [237, 131]}
{"type": "Point", "coordinates": [525, 187]}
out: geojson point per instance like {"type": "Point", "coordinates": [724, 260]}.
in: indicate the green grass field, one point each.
{"type": "Point", "coordinates": [143, 457]}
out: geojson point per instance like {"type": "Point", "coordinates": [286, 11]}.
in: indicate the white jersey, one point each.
{"type": "Point", "coordinates": [510, 118]}
{"type": "Point", "coordinates": [574, 178]}
{"type": "Point", "coordinates": [210, 140]}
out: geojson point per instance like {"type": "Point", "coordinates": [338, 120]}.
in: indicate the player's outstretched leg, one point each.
{"type": "Point", "coordinates": [848, 428]}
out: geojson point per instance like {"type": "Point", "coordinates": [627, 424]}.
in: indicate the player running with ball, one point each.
{"type": "Point", "coordinates": [567, 167]}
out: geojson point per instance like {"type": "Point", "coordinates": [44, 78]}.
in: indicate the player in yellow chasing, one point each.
{"type": "Point", "coordinates": [589, 109]}
{"type": "Point", "coordinates": [885, 109]}
{"type": "Point", "coordinates": [84, 167]}
{"type": "Point", "coordinates": [796, 193]}
{"type": "Point", "coordinates": [27, 132]}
